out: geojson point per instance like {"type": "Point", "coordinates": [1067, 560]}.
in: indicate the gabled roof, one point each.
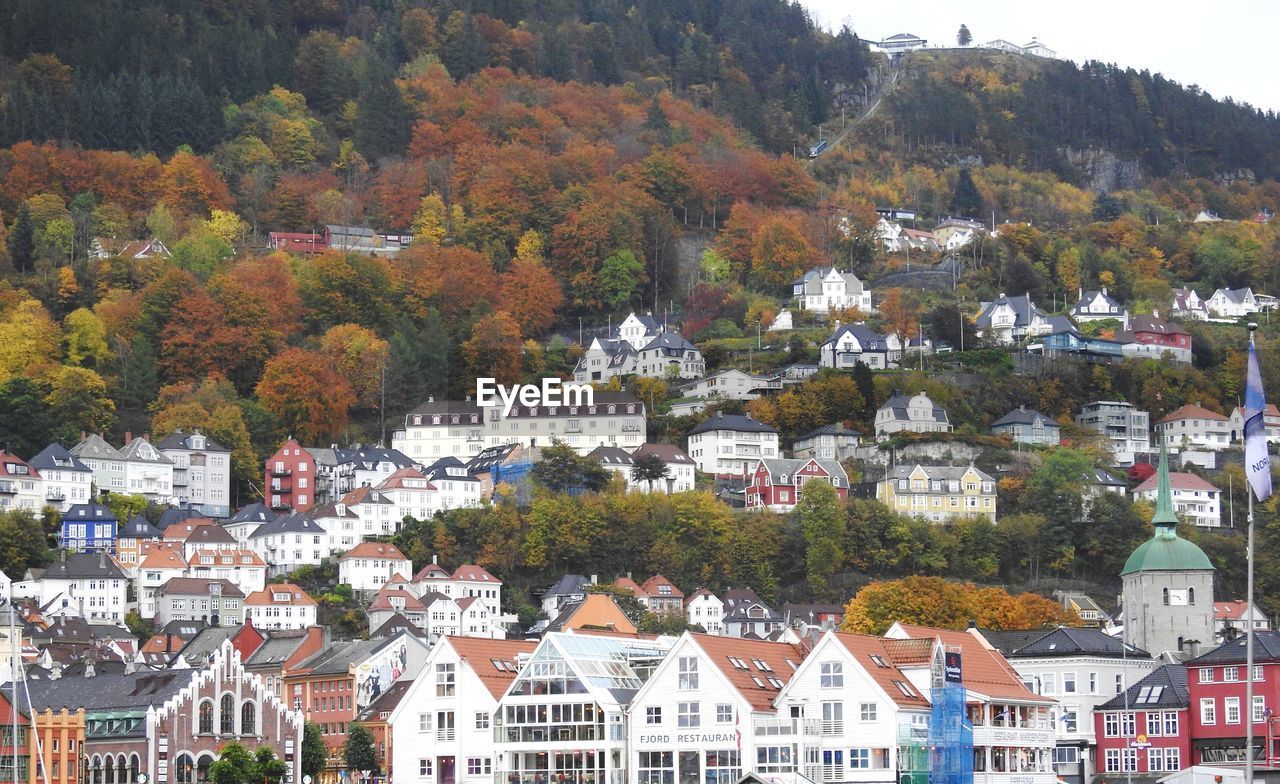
{"type": "Point", "coordinates": [386, 702]}
{"type": "Point", "coordinates": [432, 571]}
{"type": "Point", "coordinates": [1087, 298]}
{"type": "Point", "coordinates": [164, 558]}
{"type": "Point", "coordinates": [611, 456]}
{"type": "Point", "coordinates": [277, 647]}
{"type": "Point", "coordinates": [240, 558]}
{"type": "Point", "coordinates": [198, 533]}
{"type": "Point", "coordinates": [867, 338]}
{"type": "Point", "coordinates": [484, 656]}
{"type": "Point", "coordinates": [83, 566]}
{"type": "Point", "coordinates": [198, 586]}
{"type": "Point", "coordinates": [489, 457]}
{"type": "Point", "coordinates": [173, 516]}
{"type": "Point", "coordinates": [568, 585]}
{"type": "Point", "coordinates": [837, 429]}
{"type": "Point", "coordinates": [267, 596]}
{"type": "Point", "coordinates": [899, 405]}
{"type": "Point", "coordinates": [877, 656]}
{"type": "Point", "coordinates": [339, 658]}
{"type": "Point", "coordinates": [1156, 325]}
{"type": "Point", "coordinates": [942, 473]}
{"type": "Point", "coordinates": [1266, 648]}
{"type": "Point", "coordinates": [92, 446]}
{"type": "Point", "coordinates": [653, 587]}
{"type": "Point", "coordinates": [1192, 411]}
{"type": "Point", "coordinates": [1230, 611]}
{"type": "Point", "coordinates": [1024, 416]}
{"type": "Point", "coordinates": [668, 453]}
{"type": "Point", "coordinates": [1062, 641]}
{"type": "Point", "coordinates": [89, 512]}
{"type": "Point", "coordinates": [985, 671]}
{"type": "Point", "coordinates": [407, 601]}
{"type": "Point", "coordinates": [670, 341]}
{"type": "Point", "coordinates": [734, 422]}
{"type": "Point", "coordinates": [778, 467]}
{"type": "Point", "coordinates": [180, 440]}
{"type": "Point", "coordinates": [758, 685]}
{"type": "Point", "coordinates": [1178, 480]}
{"type": "Point", "coordinates": [475, 574]}
{"type": "Point", "coordinates": [374, 550]}
{"type": "Point", "coordinates": [294, 522]}
{"type": "Point", "coordinates": [56, 457]}
{"type": "Point", "coordinates": [1163, 687]}
{"type": "Point", "coordinates": [396, 624]}
{"type": "Point", "coordinates": [440, 470]}
{"type": "Point", "coordinates": [1025, 311]}
{"type": "Point", "coordinates": [698, 594]}
{"type": "Point", "coordinates": [138, 527]}
{"type": "Point", "coordinates": [368, 457]}
{"type": "Point", "coordinates": [140, 450]}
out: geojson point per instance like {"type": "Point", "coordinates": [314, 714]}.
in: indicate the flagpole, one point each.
{"type": "Point", "coordinates": [1248, 640]}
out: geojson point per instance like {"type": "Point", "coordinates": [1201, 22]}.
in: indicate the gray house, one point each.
{"type": "Point", "coordinates": [1028, 426]}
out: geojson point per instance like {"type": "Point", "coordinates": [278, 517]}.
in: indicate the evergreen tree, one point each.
{"type": "Point", "coordinates": [562, 470]}
{"type": "Point", "coordinates": [822, 521]}
{"type": "Point", "coordinates": [22, 240]}
{"type": "Point", "coordinates": [24, 423]}
{"type": "Point", "coordinates": [434, 357]}
{"type": "Point", "coordinates": [406, 386]}
{"type": "Point", "coordinates": [966, 200]}
{"type": "Point", "coordinates": [138, 379]}
{"type": "Point", "coordinates": [656, 121]}
{"type": "Point", "coordinates": [964, 37]}
{"type": "Point", "coordinates": [384, 120]}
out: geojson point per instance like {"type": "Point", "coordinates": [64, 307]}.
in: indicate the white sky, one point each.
{"type": "Point", "coordinates": [1227, 48]}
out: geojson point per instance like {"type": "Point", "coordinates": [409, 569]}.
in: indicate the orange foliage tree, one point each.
{"type": "Point", "coordinates": [305, 395]}
{"type": "Point", "coordinates": [358, 355]}
{"type": "Point", "coordinates": [494, 348]}
{"type": "Point", "coordinates": [780, 253]}
{"type": "Point", "coordinates": [933, 601]}
{"type": "Point", "coordinates": [530, 294]}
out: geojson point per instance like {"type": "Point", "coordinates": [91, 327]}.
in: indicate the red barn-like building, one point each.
{"type": "Point", "coordinates": [290, 481]}
{"type": "Point", "coordinates": [775, 484]}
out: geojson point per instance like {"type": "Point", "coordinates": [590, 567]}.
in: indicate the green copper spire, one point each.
{"type": "Point", "coordinates": [1165, 520]}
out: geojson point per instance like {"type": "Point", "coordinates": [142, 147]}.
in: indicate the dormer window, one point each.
{"type": "Point", "coordinates": [435, 420]}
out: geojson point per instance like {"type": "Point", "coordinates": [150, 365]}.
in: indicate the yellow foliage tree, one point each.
{"type": "Point", "coordinates": [226, 226]}
{"type": "Point", "coordinates": [431, 225]}
{"type": "Point", "coordinates": [29, 341]}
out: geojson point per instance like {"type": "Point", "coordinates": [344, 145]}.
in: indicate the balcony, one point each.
{"type": "Point", "coordinates": [282, 472]}
{"type": "Point", "coordinates": [53, 494]}
{"type": "Point", "coordinates": [984, 735]}
{"type": "Point", "coordinates": [8, 488]}
{"type": "Point", "coordinates": [281, 504]}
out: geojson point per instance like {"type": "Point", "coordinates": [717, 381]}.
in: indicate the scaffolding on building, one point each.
{"type": "Point", "coordinates": [950, 731]}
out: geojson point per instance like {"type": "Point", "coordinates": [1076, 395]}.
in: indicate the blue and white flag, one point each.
{"type": "Point", "coordinates": [1257, 461]}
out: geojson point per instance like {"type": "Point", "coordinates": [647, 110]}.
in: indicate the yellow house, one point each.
{"type": "Point", "coordinates": [939, 493]}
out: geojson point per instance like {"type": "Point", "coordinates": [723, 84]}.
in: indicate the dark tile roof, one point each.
{"type": "Point", "coordinates": [1266, 648]}
{"type": "Point", "coordinates": [257, 512]}
{"type": "Point", "coordinates": [568, 585]}
{"type": "Point", "coordinates": [174, 516]}
{"type": "Point", "coordinates": [1163, 687]}
{"type": "Point", "coordinates": [295, 522]}
{"type": "Point", "coordinates": [386, 702]}
{"type": "Point", "coordinates": [869, 339]}
{"type": "Point", "coordinates": [138, 527]}
{"type": "Point", "coordinates": [108, 692]}
{"type": "Point", "coordinates": [89, 512]}
{"type": "Point", "coordinates": [337, 659]}
{"type": "Point", "coordinates": [181, 440]}
{"type": "Point", "coordinates": [837, 429]}
{"type": "Point", "coordinates": [395, 625]}
{"type": "Point", "coordinates": [736, 422]}
{"type": "Point", "coordinates": [1024, 416]}
{"type": "Point", "coordinates": [278, 646]}
{"type": "Point", "coordinates": [1062, 641]}
{"type": "Point", "coordinates": [56, 457]}
{"type": "Point", "coordinates": [369, 456]}
{"type": "Point", "coordinates": [198, 586]}
{"type": "Point", "coordinates": [83, 566]}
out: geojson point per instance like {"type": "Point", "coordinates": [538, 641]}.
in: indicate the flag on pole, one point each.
{"type": "Point", "coordinates": [1257, 461]}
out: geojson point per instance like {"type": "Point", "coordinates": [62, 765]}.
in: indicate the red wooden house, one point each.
{"type": "Point", "coordinates": [775, 484]}
{"type": "Point", "coordinates": [1145, 730]}
{"type": "Point", "coordinates": [290, 481]}
{"type": "Point", "coordinates": [1216, 684]}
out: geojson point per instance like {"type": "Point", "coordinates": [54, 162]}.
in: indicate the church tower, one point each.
{"type": "Point", "coordinates": [1168, 586]}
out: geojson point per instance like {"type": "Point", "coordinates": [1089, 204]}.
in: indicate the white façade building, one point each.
{"type": "Point", "coordinates": [703, 608]}
{"type": "Point", "coordinates": [858, 344]}
{"type": "Point", "coordinates": [565, 715]}
{"type": "Point", "coordinates": [442, 729]}
{"type": "Point", "coordinates": [67, 480]}
{"type": "Point", "coordinates": [369, 565]}
{"type": "Point", "coordinates": [708, 714]}
{"type": "Point", "coordinates": [147, 472]}
{"type": "Point", "coordinates": [1194, 498]}
{"type": "Point", "coordinates": [462, 429]}
{"type": "Point", "coordinates": [826, 289]}
{"type": "Point", "coordinates": [201, 472]}
{"type": "Point", "coordinates": [726, 444]}
{"type": "Point", "coordinates": [857, 711]}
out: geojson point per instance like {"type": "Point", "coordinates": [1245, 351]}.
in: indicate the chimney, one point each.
{"type": "Point", "coordinates": [595, 578]}
{"type": "Point", "coordinates": [89, 668]}
{"type": "Point", "coordinates": [130, 665]}
{"type": "Point", "coordinates": [435, 558]}
{"type": "Point", "coordinates": [128, 437]}
{"type": "Point", "coordinates": [102, 559]}
{"type": "Point", "coordinates": [82, 435]}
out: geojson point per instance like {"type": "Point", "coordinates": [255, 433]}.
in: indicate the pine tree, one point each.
{"type": "Point", "coordinates": [406, 386]}
{"type": "Point", "coordinates": [434, 355]}
{"type": "Point", "coordinates": [22, 240]}
{"type": "Point", "coordinates": [384, 119]}
{"type": "Point", "coordinates": [964, 37]}
{"type": "Point", "coordinates": [656, 121]}
{"type": "Point", "coordinates": [966, 200]}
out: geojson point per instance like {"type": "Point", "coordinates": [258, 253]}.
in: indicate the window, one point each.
{"type": "Point", "coordinates": [832, 676]}
{"type": "Point", "coordinates": [1154, 725]}
{"type": "Point", "coordinates": [206, 717]}
{"type": "Point", "coordinates": [1230, 674]}
{"type": "Point", "coordinates": [722, 767]}
{"type": "Point", "coordinates": [1257, 672]}
{"type": "Point", "coordinates": [1093, 683]}
{"type": "Point", "coordinates": [444, 725]}
{"type": "Point", "coordinates": [1171, 723]}
{"type": "Point", "coordinates": [688, 666]}
{"type": "Point", "coordinates": [656, 767]}
{"type": "Point", "coordinates": [1162, 760]}
{"type": "Point", "coordinates": [1068, 717]}
{"type": "Point", "coordinates": [877, 759]}
{"type": "Point", "coordinates": [653, 714]}
{"type": "Point", "coordinates": [482, 720]}
{"type": "Point", "coordinates": [1049, 683]}
{"type": "Point", "coordinates": [774, 759]}
{"type": "Point", "coordinates": [424, 768]}
{"type": "Point", "coordinates": [445, 680]}
{"type": "Point", "coordinates": [479, 766]}
{"type": "Point", "coordinates": [1208, 711]}
{"type": "Point", "coordinates": [1066, 755]}
{"type": "Point", "coordinates": [1259, 709]}
{"type": "Point", "coordinates": [724, 714]}
{"type": "Point", "coordinates": [832, 718]}
{"type": "Point", "coordinates": [1068, 683]}
{"type": "Point", "coordinates": [832, 765]}
{"type": "Point", "coordinates": [1206, 675]}
{"type": "Point", "coordinates": [227, 725]}
{"type": "Point", "coordinates": [1231, 707]}
{"type": "Point", "coordinates": [1128, 724]}
{"type": "Point", "coordinates": [688, 715]}
{"type": "Point", "coordinates": [867, 711]}
{"type": "Point", "coordinates": [1119, 682]}
{"type": "Point", "coordinates": [248, 719]}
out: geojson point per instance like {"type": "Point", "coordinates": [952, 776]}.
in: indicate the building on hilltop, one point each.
{"type": "Point", "coordinates": [913, 414]}
{"type": "Point", "coordinates": [938, 493]}
{"type": "Point", "coordinates": [1195, 498]}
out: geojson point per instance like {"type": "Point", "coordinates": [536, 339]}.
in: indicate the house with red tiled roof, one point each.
{"type": "Point", "coordinates": [369, 565]}
{"type": "Point", "coordinates": [857, 702]}
{"type": "Point", "coordinates": [412, 493]}
{"type": "Point", "coordinates": [1193, 427]}
{"type": "Point", "coordinates": [1194, 498]}
{"type": "Point", "coordinates": [394, 599]}
{"type": "Point", "coordinates": [20, 485]}
{"type": "Point", "coordinates": [716, 698]}
{"type": "Point", "coordinates": [1012, 727]}
{"type": "Point", "coordinates": [446, 718]}
{"type": "Point", "coordinates": [245, 568]}
{"type": "Point", "coordinates": [1270, 424]}
{"type": "Point", "coordinates": [1230, 619]}
{"type": "Point", "coordinates": [280, 606]}
{"type": "Point", "coordinates": [161, 561]}
{"type": "Point", "coordinates": [661, 596]}
{"type": "Point", "coordinates": [704, 609]}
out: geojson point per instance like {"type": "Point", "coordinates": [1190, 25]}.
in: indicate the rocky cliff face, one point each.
{"type": "Point", "coordinates": [1102, 170]}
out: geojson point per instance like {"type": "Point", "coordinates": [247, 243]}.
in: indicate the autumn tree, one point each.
{"type": "Point", "coordinates": [85, 338]}
{"type": "Point", "coordinates": [212, 407]}
{"type": "Point", "coordinates": [900, 313]}
{"type": "Point", "coordinates": [360, 357]}
{"type": "Point", "coordinates": [77, 401]}
{"type": "Point", "coordinates": [307, 398]}
{"type": "Point", "coordinates": [779, 253]}
{"type": "Point", "coordinates": [530, 293]}
{"type": "Point", "coordinates": [29, 340]}
{"type": "Point", "coordinates": [493, 350]}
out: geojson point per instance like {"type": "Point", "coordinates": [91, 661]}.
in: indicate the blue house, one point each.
{"type": "Point", "coordinates": [1066, 338]}
{"type": "Point", "coordinates": [88, 527]}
